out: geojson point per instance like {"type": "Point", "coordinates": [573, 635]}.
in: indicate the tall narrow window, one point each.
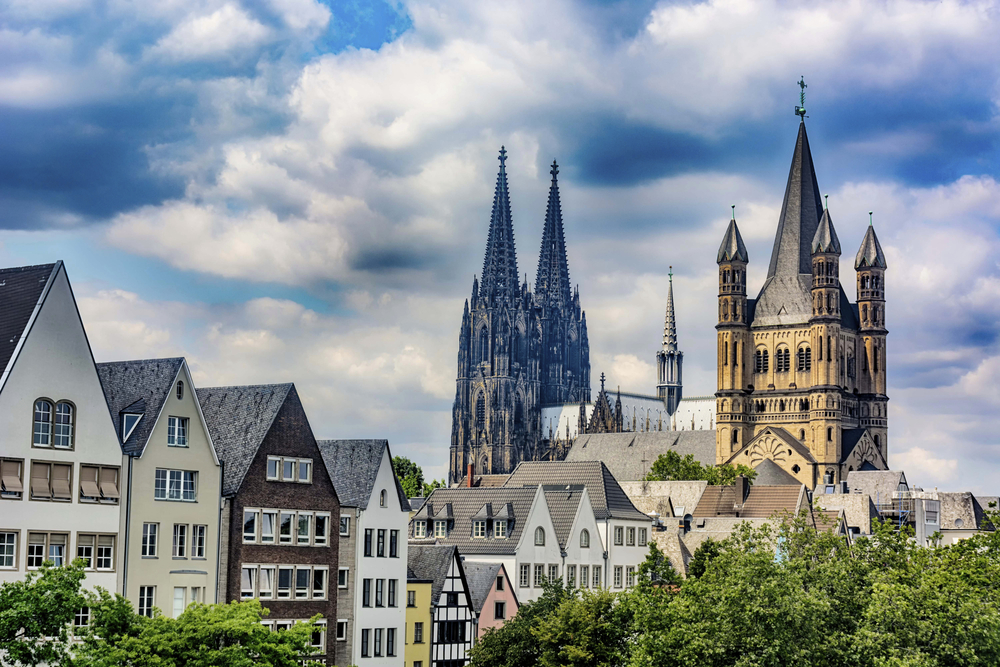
{"type": "Point", "coordinates": [584, 539]}
{"type": "Point", "coordinates": [57, 549]}
{"type": "Point", "coordinates": [64, 425]}
{"type": "Point", "coordinates": [85, 550]}
{"type": "Point", "coordinates": [248, 582]}
{"type": "Point", "coordinates": [284, 583]}
{"type": "Point", "coordinates": [8, 550]}
{"type": "Point", "coordinates": [539, 537]}
{"type": "Point", "coordinates": [147, 595]}
{"type": "Point", "coordinates": [177, 429]}
{"type": "Point", "coordinates": [393, 544]}
{"type": "Point", "coordinates": [149, 531]}
{"type": "Point", "coordinates": [180, 389]}
{"type": "Point", "coordinates": [43, 424]}
{"type": "Point", "coordinates": [180, 540]}
{"type": "Point", "coordinates": [199, 537]}
{"type": "Point", "coordinates": [286, 527]}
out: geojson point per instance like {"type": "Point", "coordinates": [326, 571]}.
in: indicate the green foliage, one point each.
{"type": "Point", "coordinates": [35, 614]}
{"type": "Point", "coordinates": [411, 476]}
{"type": "Point", "coordinates": [584, 630]}
{"type": "Point", "coordinates": [434, 484]}
{"type": "Point", "coordinates": [671, 467]}
{"type": "Point", "coordinates": [514, 644]}
{"type": "Point", "coordinates": [703, 556]}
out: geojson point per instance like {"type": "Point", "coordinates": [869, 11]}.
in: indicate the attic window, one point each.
{"type": "Point", "coordinates": [180, 389]}
{"type": "Point", "coordinates": [381, 498]}
{"type": "Point", "coordinates": [129, 422]}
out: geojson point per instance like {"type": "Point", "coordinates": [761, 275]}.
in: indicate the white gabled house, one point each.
{"type": "Point", "coordinates": [60, 461]}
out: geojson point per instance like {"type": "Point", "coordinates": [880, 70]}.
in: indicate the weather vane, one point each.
{"type": "Point", "coordinates": [801, 109]}
{"type": "Point", "coordinates": [671, 274]}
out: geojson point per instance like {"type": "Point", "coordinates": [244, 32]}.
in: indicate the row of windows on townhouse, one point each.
{"type": "Point", "coordinates": [96, 550]}
{"type": "Point", "coordinates": [379, 592]}
{"type": "Point", "coordinates": [180, 546]}
{"type": "Point", "coordinates": [371, 642]}
{"type": "Point", "coordinates": [53, 481]}
{"type": "Point", "coordinates": [375, 543]}
{"type": "Point", "coordinates": [317, 639]}
{"type": "Point", "coordinates": [541, 576]}
{"type": "Point", "coordinates": [500, 531]}
{"type": "Point", "coordinates": [289, 469]}
{"type": "Point", "coordinates": [284, 582]}
{"type": "Point", "coordinates": [273, 526]}
{"type": "Point", "coordinates": [55, 425]}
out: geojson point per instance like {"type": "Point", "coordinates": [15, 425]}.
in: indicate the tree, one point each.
{"type": "Point", "coordinates": [671, 467]}
{"type": "Point", "coordinates": [410, 475]}
{"type": "Point", "coordinates": [703, 556]}
{"type": "Point", "coordinates": [434, 484]}
{"type": "Point", "coordinates": [584, 630]}
{"type": "Point", "coordinates": [35, 614]}
{"type": "Point", "coordinates": [513, 644]}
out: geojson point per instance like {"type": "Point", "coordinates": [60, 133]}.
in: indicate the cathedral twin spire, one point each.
{"type": "Point", "coordinates": [552, 280]}
{"type": "Point", "coordinates": [500, 278]}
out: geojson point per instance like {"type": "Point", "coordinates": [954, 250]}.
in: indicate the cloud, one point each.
{"type": "Point", "coordinates": [219, 34]}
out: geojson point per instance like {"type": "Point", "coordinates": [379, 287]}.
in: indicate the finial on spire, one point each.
{"type": "Point", "coordinates": [602, 382]}
{"type": "Point", "coordinates": [870, 223]}
{"type": "Point", "coordinates": [555, 170]}
{"type": "Point", "coordinates": [801, 109]}
{"type": "Point", "coordinates": [671, 273]}
{"type": "Point", "coordinates": [734, 211]}
{"type": "Point", "coordinates": [826, 202]}
{"type": "Point", "coordinates": [503, 157]}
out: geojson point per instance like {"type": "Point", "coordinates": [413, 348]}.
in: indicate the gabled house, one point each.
{"type": "Point", "coordinates": [371, 579]}
{"type": "Point", "coordinates": [493, 596]}
{"type": "Point", "coordinates": [453, 618]}
{"type": "Point", "coordinates": [173, 483]}
{"type": "Point", "coordinates": [60, 463]}
{"type": "Point", "coordinates": [279, 541]}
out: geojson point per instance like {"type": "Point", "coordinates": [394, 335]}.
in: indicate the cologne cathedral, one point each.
{"type": "Point", "coordinates": [518, 348]}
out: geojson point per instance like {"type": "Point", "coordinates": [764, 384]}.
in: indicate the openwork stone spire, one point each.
{"type": "Point", "coordinates": [500, 278]}
{"type": "Point", "coordinates": [669, 325]}
{"type": "Point", "coordinates": [552, 281]}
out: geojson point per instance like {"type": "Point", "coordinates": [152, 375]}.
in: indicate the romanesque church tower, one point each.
{"type": "Point", "coordinates": [791, 391]}
{"type": "Point", "coordinates": [517, 349]}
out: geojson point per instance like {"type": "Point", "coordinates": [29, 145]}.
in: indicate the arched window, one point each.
{"type": "Point", "coordinates": [381, 498]}
{"type": "Point", "coordinates": [829, 434]}
{"type": "Point", "coordinates": [584, 539]}
{"type": "Point", "coordinates": [802, 434]}
{"type": "Point", "coordinates": [760, 361]}
{"type": "Point", "coordinates": [539, 537]}
{"type": "Point", "coordinates": [803, 359]}
{"type": "Point", "coordinates": [736, 437]}
{"type": "Point", "coordinates": [736, 356]}
{"type": "Point", "coordinates": [180, 389]}
{"type": "Point", "coordinates": [782, 360]}
{"type": "Point", "coordinates": [43, 424]}
{"type": "Point", "coordinates": [64, 425]}
{"type": "Point", "coordinates": [480, 410]}
{"type": "Point", "coordinates": [484, 345]}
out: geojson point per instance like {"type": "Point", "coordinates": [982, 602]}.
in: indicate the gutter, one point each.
{"type": "Point", "coordinates": [128, 524]}
{"type": "Point", "coordinates": [218, 537]}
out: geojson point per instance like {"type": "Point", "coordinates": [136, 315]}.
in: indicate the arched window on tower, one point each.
{"type": "Point", "coordinates": [484, 345]}
{"type": "Point", "coordinates": [803, 359]}
{"type": "Point", "coordinates": [782, 360]}
{"type": "Point", "coordinates": [760, 361]}
{"type": "Point", "coordinates": [481, 411]}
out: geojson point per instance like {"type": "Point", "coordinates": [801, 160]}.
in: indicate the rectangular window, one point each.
{"type": "Point", "coordinates": [36, 549]}
{"type": "Point", "coordinates": [418, 633]}
{"type": "Point", "coordinates": [302, 583]}
{"type": "Point", "coordinates": [85, 550]}
{"type": "Point", "coordinates": [105, 552]}
{"type": "Point", "coordinates": [379, 588]}
{"type": "Point", "coordinates": [366, 593]}
{"type": "Point", "coordinates": [341, 631]}
{"type": "Point", "coordinates": [618, 576]}
{"type": "Point", "coordinates": [411, 598]}
{"type": "Point", "coordinates": [305, 528]}
{"type": "Point", "coordinates": [584, 576]}
{"type": "Point", "coordinates": [525, 575]}
{"type": "Point", "coordinates": [285, 583]}
{"type": "Point", "coordinates": [539, 575]}
{"type": "Point", "coordinates": [365, 638]}
{"type": "Point", "coordinates": [381, 543]}
{"type": "Point", "coordinates": [419, 529]}
{"type": "Point", "coordinates": [160, 485]}
{"type": "Point", "coordinates": [319, 583]}
{"type": "Point", "coordinates": [267, 523]}
{"type": "Point", "coordinates": [318, 637]}
{"type": "Point", "coordinates": [378, 642]}
{"type": "Point", "coordinates": [199, 537]}
{"type": "Point", "coordinates": [99, 485]}
{"type": "Point", "coordinates": [440, 529]}
{"type": "Point", "coordinates": [180, 540]}
{"type": "Point", "coordinates": [343, 574]}
{"type": "Point", "coordinates": [189, 485]}
{"type": "Point", "coordinates": [597, 576]}
{"type": "Point", "coordinates": [499, 611]}
{"type": "Point", "coordinates": [479, 528]}
{"type": "Point", "coordinates": [285, 534]}
{"type": "Point", "coordinates": [619, 535]}
{"type": "Point", "coordinates": [369, 536]}
{"type": "Point", "coordinates": [250, 526]}
{"type": "Point", "coordinates": [43, 424]}
{"type": "Point", "coordinates": [931, 509]}
{"type": "Point", "coordinates": [273, 462]}
{"type": "Point", "coordinates": [197, 594]}
{"type": "Point", "coordinates": [175, 485]}
{"type": "Point", "coordinates": [82, 617]}
{"type": "Point", "coordinates": [391, 594]}
{"type": "Point", "coordinates": [553, 572]}
{"type": "Point", "coordinates": [500, 529]}
{"type": "Point", "coordinates": [265, 583]}
{"type": "Point", "coordinates": [305, 471]}
{"type": "Point", "coordinates": [321, 527]}
{"type": "Point", "coordinates": [643, 539]}
{"type": "Point", "coordinates": [8, 550]}
{"type": "Point", "coordinates": [393, 544]}
{"type": "Point", "coordinates": [390, 642]}
{"type": "Point", "coordinates": [147, 598]}
{"type": "Point", "coordinates": [57, 549]}
{"type": "Point", "coordinates": [630, 541]}
{"type": "Point", "coordinates": [630, 576]}
{"type": "Point", "coordinates": [62, 482]}
{"type": "Point", "coordinates": [452, 599]}
{"type": "Point", "coordinates": [180, 600]}
{"type": "Point", "coordinates": [571, 576]}
{"type": "Point", "coordinates": [287, 470]}
{"type": "Point", "coordinates": [51, 481]}
{"type": "Point", "coordinates": [177, 430]}
{"type": "Point", "coordinates": [11, 479]}
{"type": "Point", "coordinates": [149, 531]}
{"type": "Point", "coordinates": [500, 583]}
{"type": "Point", "coordinates": [345, 525]}
{"type": "Point", "coordinates": [248, 582]}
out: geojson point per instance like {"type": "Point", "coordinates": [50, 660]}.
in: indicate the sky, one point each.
{"type": "Point", "coordinates": [292, 190]}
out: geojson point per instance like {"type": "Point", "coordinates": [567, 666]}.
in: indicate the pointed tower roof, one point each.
{"type": "Point", "coordinates": [552, 281]}
{"type": "Point", "coordinates": [825, 239]}
{"type": "Point", "coordinates": [732, 247]}
{"type": "Point", "coordinates": [500, 277]}
{"type": "Point", "coordinates": [669, 325]}
{"type": "Point", "coordinates": [800, 213]}
{"type": "Point", "coordinates": [870, 253]}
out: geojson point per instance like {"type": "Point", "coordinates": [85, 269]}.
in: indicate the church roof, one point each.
{"type": "Point", "coordinates": [870, 252]}
{"type": "Point", "coordinates": [137, 387]}
{"type": "Point", "coordinates": [500, 278]}
{"type": "Point", "coordinates": [630, 455]}
{"type": "Point", "coordinates": [552, 280]}
{"type": "Point", "coordinates": [732, 245]}
{"type": "Point", "coordinates": [825, 239]}
{"type": "Point", "coordinates": [770, 473]}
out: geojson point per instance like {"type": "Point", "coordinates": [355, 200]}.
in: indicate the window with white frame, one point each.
{"type": "Point", "coordinates": [524, 578]}
{"type": "Point", "coordinates": [177, 431]}
{"type": "Point", "coordinates": [304, 533]}
{"type": "Point", "coordinates": [301, 527]}
{"type": "Point", "coordinates": [42, 436]}
{"type": "Point", "coordinates": [539, 576]}
{"type": "Point", "coordinates": [8, 550]}
{"type": "Point", "coordinates": [553, 572]}
{"type": "Point", "coordinates": [149, 532]}
{"type": "Point", "coordinates": [248, 581]}
{"type": "Point", "coordinates": [584, 539]}
{"type": "Point", "coordinates": [500, 529]}
{"type": "Point", "coordinates": [378, 642]}
{"type": "Point", "coordinates": [147, 600]}
{"type": "Point", "coordinates": [619, 535]}
{"type": "Point", "coordinates": [199, 538]}
{"type": "Point", "coordinates": [81, 618]}
{"type": "Point", "coordinates": [321, 529]}
{"type": "Point", "coordinates": [317, 639]}
{"type": "Point", "coordinates": [180, 390]}
{"type": "Point", "coordinates": [85, 550]}
{"type": "Point", "coordinates": [180, 540]}
{"type": "Point", "coordinates": [630, 539]}
{"type": "Point", "coordinates": [343, 575]}
{"type": "Point", "coordinates": [365, 640]}
{"type": "Point", "coordinates": [47, 546]}
{"type": "Point", "coordinates": [584, 576]}
{"type": "Point", "coordinates": [479, 528]}
{"type": "Point", "coordinates": [539, 537]}
{"type": "Point", "coordinates": [345, 525]}
{"type": "Point", "coordinates": [178, 485]}
{"type": "Point", "coordinates": [11, 479]}
{"type": "Point", "coordinates": [342, 630]}
{"type": "Point", "coordinates": [180, 600]}
{"type": "Point", "coordinates": [391, 594]}
{"type": "Point", "coordinates": [618, 576]}
{"type": "Point", "coordinates": [294, 582]}
{"type": "Point", "coordinates": [440, 528]}
{"type": "Point", "coordinates": [97, 551]}
{"type": "Point", "coordinates": [379, 590]}
{"type": "Point", "coordinates": [380, 548]}
{"type": "Point", "coordinates": [419, 529]}
{"type": "Point", "coordinates": [643, 539]}
{"type": "Point", "coordinates": [393, 544]}
{"type": "Point", "coordinates": [265, 582]}
{"type": "Point", "coordinates": [285, 582]}
{"type": "Point", "coordinates": [931, 511]}
{"type": "Point", "coordinates": [630, 576]}
{"type": "Point", "coordinates": [390, 642]}
{"type": "Point", "coordinates": [287, 469]}
{"type": "Point", "coordinates": [54, 424]}
{"type": "Point", "coordinates": [63, 428]}
{"type": "Point", "coordinates": [129, 421]}
{"type": "Point", "coordinates": [597, 576]}
{"type": "Point", "coordinates": [571, 576]}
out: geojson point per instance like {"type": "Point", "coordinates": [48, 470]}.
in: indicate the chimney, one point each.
{"type": "Point", "coordinates": [741, 491]}
{"type": "Point", "coordinates": [469, 475]}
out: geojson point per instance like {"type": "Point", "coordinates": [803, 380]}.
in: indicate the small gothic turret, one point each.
{"type": "Point", "coordinates": [733, 338]}
{"type": "Point", "coordinates": [870, 266]}
{"type": "Point", "coordinates": [669, 360]}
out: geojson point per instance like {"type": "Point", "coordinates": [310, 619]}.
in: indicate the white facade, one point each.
{"type": "Point", "coordinates": [640, 412]}
{"type": "Point", "coordinates": [54, 364]}
{"type": "Point", "coordinates": [390, 521]}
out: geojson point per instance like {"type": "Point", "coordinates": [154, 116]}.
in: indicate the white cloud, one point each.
{"type": "Point", "coordinates": [225, 31]}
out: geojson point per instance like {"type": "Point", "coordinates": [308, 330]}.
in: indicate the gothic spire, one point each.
{"type": "Point", "coordinates": [825, 240]}
{"type": "Point", "coordinates": [732, 247]}
{"type": "Point", "coordinates": [800, 213]}
{"type": "Point", "coordinates": [500, 277]}
{"type": "Point", "coordinates": [669, 326]}
{"type": "Point", "coordinates": [552, 281]}
{"type": "Point", "coordinates": [870, 252]}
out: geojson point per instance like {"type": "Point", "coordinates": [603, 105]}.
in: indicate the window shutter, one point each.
{"type": "Point", "coordinates": [60, 481]}
{"type": "Point", "coordinates": [109, 482]}
{"type": "Point", "coordinates": [10, 471]}
{"type": "Point", "coordinates": [40, 480]}
{"type": "Point", "coordinates": [88, 482]}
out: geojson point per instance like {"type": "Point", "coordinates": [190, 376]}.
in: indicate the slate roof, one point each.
{"type": "Point", "coordinates": [563, 502]}
{"type": "Point", "coordinates": [879, 484]}
{"type": "Point", "coordinates": [141, 386]}
{"type": "Point", "coordinates": [482, 578]}
{"type": "Point", "coordinates": [825, 240]}
{"type": "Point", "coordinates": [606, 495]}
{"type": "Point", "coordinates": [238, 419]}
{"type": "Point", "coordinates": [770, 473]}
{"type": "Point", "coordinates": [870, 253]}
{"type": "Point", "coordinates": [21, 291]}
{"type": "Point", "coordinates": [762, 502]}
{"type": "Point", "coordinates": [732, 245]}
{"type": "Point", "coordinates": [430, 563]}
{"type": "Point", "coordinates": [629, 456]}
{"type": "Point", "coordinates": [467, 502]}
{"type": "Point", "coordinates": [353, 466]}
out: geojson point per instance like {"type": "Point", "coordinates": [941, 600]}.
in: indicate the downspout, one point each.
{"type": "Point", "coordinates": [607, 552]}
{"type": "Point", "coordinates": [218, 537]}
{"type": "Point", "coordinates": [128, 523]}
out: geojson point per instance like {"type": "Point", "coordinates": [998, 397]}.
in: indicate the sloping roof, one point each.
{"type": "Point", "coordinates": [879, 484]}
{"type": "Point", "coordinates": [732, 245]}
{"type": "Point", "coordinates": [770, 474]}
{"type": "Point", "coordinates": [870, 253]}
{"type": "Point", "coordinates": [482, 578]}
{"type": "Point", "coordinates": [467, 502]}
{"type": "Point", "coordinates": [563, 502]}
{"type": "Point", "coordinates": [238, 420]}
{"type": "Point", "coordinates": [825, 239]}
{"type": "Point", "coordinates": [430, 563]}
{"type": "Point", "coordinates": [849, 439]}
{"type": "Point", "coordinates": [606, 495]}
{"type": "Point", "coordinates": [353, 466]}
{"type": "Point", "coordinates": [665, 498]}
{"type": "Point", "coordinates": [141, 386]}
{"type": "Point", "coordinates": [715, 528]}
{"type": "Point", "coordinates": [963, 506]}
{"type": "Point", "coordinates": [800, 213]}
{"type": "Point", "coordinates": [21, 290]}
{"type": "Point", "coordinates": [859, 510]}
{"type": "Point", "coordinates": [761, 502]}
{"type": "Point", "coordinates": [629, 456]}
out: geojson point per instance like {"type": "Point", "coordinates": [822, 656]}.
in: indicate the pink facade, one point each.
{"type": "Point", "coordinates": [488, 614]}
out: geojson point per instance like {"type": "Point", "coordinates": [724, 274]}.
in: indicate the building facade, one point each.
{"type": "Point", "coordinates": [518, 349]}
{"type": "Point", "coordinates": [801, 369]}
{"type": "Point", "coordinates": [419, 618]}
{"type": "Point", "coordinates": [493, 595]}
{"type": "Point", "coordinates": [453, 618]}
{"type": "Point", "coordinates": [169, 546]}
{"type": "Point", "coordinates": [61, 464]}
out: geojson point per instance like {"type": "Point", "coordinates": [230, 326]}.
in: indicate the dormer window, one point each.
{"type": "Point", "coordinates": [129, 422]}
{"type": "Point", "coordinates": [500, 529]}
{"type": "Point", "coordinates": [440, 528]}
{"type": "Point", "coordinates": [479, 528]}
{"type": "Point", "coordinates": [419, 529]}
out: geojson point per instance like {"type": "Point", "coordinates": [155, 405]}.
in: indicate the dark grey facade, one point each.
{"type": "Point", "coordinates": [518, 349]}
